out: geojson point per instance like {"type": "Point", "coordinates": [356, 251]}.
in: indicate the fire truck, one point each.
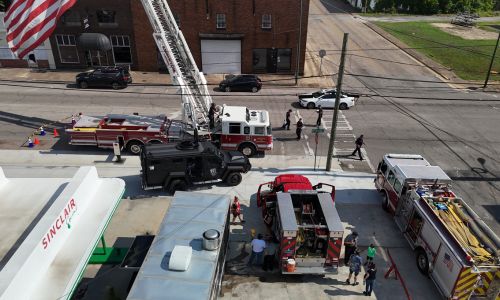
{"type": "Point", "coordinates": [130, 131]}
{"type": "Point", "coordinates": [453, 246]}
{"type": "Point", "coordinates": [309, 232]}
{"type": "Point", "coordinates": [266, 194]}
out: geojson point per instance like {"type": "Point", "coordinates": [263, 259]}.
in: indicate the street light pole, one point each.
{"type": "Point", "coordinates": [337, 103]}
{"type": "Point", "coordinates": [491, 63]}
{"type": "Point", "coordinates": [297, 64]}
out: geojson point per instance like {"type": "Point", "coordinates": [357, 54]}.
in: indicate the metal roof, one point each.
{"type": "Point", "coordinates": [421, 173]}
{"type": "Point", "coordinates": [239, 114]}
{"type": "Point", "coordinates": [171, 150]}
{"type": "Point", "coordinates": [287, 214]}
{"type": "Point", "coordinates": [190, 214]}
{"type": "Point", "coordinates": [406, 159]}
{"type": "Point", "coordinates": [330, 213]}
{"type": "Point", "coordinates": [50, 229]}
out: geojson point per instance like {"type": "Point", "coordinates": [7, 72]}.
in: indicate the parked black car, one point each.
{"type": "Point", "coordinates": [115, 77]}
{"type": "Point", "coordinates": [175, 167]}
{"type": "Point", "coordinates": [250, 83]}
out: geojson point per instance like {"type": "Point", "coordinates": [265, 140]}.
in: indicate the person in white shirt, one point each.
{"type": "Point", "coordinates": [258, 246]}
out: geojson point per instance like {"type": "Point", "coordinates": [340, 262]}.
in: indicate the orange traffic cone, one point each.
{"type": "Point", "coordinates": [56, 134]}
{"type": "Point", "coordinates": [36, 141]}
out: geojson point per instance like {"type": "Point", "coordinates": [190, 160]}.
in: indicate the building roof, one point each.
{"type": "Point", "coordinates": [50, 229]}
{"type": "Point", "coordinates": [189, 216]}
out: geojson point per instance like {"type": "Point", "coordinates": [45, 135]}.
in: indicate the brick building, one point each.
{"type": "Point", "coordinates": [224, 36]}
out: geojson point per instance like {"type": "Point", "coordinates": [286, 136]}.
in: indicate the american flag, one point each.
{"type": "Point", "coordinates": [30, 22]}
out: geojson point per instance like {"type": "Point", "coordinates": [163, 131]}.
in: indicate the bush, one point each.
{"type": "Point", "coordinates": [436, 6]}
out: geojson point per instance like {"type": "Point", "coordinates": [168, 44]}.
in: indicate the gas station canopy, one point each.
{"type": "Point", "coordinates": [50, 227]}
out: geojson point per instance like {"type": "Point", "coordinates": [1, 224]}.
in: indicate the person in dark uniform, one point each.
{"type": "Point", "coordinates": [320, 116]}
{"type": "Point", "coordinates": [287, 120]}
{"type": "Point", "coordinates": [359, 142]}
{"type": "Point", "coordinates": [211, 115]}
{"type": "Point", "coordinates": [298, 131]}
{"type": "Point", "coordinates": [350, 245]}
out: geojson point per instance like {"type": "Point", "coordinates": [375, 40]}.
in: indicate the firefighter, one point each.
{"type": "Point", "coordinates": [298, 131]}
{"type": "Point", "coordinates": [286, 124]}
{"type": "Point", "coordinates": [236, 210]}
{"type": "Point", "coordinates": [211, 115]}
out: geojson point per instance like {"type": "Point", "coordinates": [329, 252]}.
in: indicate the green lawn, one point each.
{"type": "Point", "coordinates": [469, 59]}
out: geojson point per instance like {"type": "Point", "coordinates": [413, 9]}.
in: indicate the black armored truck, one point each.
{"type": "Point", "coordinates": [176, 167]}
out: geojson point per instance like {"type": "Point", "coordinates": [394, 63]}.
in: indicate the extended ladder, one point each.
{"type": "Point", "coordinates": [196, 100]}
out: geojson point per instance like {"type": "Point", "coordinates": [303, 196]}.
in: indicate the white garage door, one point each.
{"type": "Point", "coordinates": [221, 56]}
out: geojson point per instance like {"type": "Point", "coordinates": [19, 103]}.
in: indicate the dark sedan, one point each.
{"type": "Point", "coordinates": [241, 83]}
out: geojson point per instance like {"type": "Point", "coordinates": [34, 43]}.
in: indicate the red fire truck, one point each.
{"type": "Point", "coordinates": [309, 232]}
{"type": "Point", "coordinates": [266, 194]}
{"type": "Point", "coordinates": [453, 246]}
{"type": "Point", "coordinates": [130, 131]}
{"type": "Point", "coordinates": [239, 128]}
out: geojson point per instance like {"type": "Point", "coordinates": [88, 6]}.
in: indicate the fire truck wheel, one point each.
{"type": "Point", "coordinates": [227, 89]}
{"type": "Point", "coordinates": [233, 179]}
{"type": "Point", "coordinates": [83, 85]}
{"type": "Point", "coordinates": [385, 201]}
{"type": "Point", "coordinates": [247, 149]}
{"type": "Point", "coordinates": [422, 262]}
{"type": "Point", "coordinates": [134, 147]}
{"type": "Point", "coordinates": [343, 106]}
{"type": "Point", "coordinates": [177, 185]}
{"type": "Point", "coordinates": [311, 105]}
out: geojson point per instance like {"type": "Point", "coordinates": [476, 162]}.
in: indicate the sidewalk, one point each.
{"type": "Point", "coordinates": [148, 78]}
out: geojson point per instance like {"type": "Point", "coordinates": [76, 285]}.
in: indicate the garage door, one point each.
{"type": "Point", "coordinates": [221, 56]}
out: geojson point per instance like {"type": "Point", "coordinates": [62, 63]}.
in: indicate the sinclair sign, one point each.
{"type": "Point", "coordinates": [62, 221]}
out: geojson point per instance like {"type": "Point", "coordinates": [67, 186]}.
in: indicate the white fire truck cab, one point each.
{"type": "Point", "coordinates": [247, 131]}
{"type": "Point", "coordinates": [453, 245]}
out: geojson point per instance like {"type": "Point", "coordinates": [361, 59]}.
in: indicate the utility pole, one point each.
{"type": "Point", "coordinates": [297, 64]}
{"type": "Point", "coordinates": [491, 63]}
{"type": "Point", "coordinates": [337, 103]}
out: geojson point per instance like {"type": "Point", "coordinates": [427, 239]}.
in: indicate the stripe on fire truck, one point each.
{"type": "Point", "coordinates": [334, 246]}
{"type": "Point", "coordinates": [487, 278]}
{"type": "Point", "coordinates": [465, 284]}
{"type": "Point", "coordinates": [286, 244]}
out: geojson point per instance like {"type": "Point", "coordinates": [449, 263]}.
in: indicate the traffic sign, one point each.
{"type": "Point", "coordinates": [318, 130]}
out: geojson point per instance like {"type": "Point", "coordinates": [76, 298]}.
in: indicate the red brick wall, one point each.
{"type": "Point", "coordinates": [145, 46]}
{"type": "Point", "coordinates": [244, 17]}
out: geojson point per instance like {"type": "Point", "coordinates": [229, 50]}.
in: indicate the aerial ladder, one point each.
{"type": "Point", "coordinates": [173, 47]}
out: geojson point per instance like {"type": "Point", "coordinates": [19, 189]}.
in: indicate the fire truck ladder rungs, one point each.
{"type": "Point", "coordinates": [180, 63]}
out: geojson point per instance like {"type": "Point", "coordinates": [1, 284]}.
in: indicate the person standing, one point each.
{"type": "Point", "coordinates": [287, 120]}
{"type": "Point", "coordinates": [211, 115]}
{"type": "Point", "coordinates": [369, 278]}
{"type": "Point", "coordinates": [269, 257]}
{"type": "Point", "coordinates": [350, 245]}
{"type": "Point", "coordinates": [370, 254]}
{"type": "Point", "coordinates": [258, 246]}
{"type": "Point", "coordinates": [236, 210]}
{"type": "Point", "coordinates": [320, 116]}
{"type": "Point", "coordinates": [298, 131]}
{"type": "Point", "coordinates": [359, 142]}
{"type": "Point", "coordinates": [355, 263]}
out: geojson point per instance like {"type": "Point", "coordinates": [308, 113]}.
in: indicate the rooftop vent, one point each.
{"type": "Point", "coordinates": [180, 258]}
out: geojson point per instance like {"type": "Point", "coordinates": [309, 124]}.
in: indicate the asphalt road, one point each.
{"type": "Point", "coordinates": [459, 134]}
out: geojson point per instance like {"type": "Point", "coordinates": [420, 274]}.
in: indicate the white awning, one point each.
{"type": "Point", "coordinates": [50, 227]}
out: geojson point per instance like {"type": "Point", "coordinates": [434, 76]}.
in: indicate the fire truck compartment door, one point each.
{"type": "Point", "coordinates": [286, 213]}
{"type": "Point", "coordinates": [331, 215]}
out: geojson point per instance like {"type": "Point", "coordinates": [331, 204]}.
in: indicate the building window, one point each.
{"type": "Point", "coordinates": [266, 22]}
{"type": "Point", "coordinates": [221, 21]}
{"type": "Point", "coordinates": [121, 49]}
{"type": "Point", "coordinates": [71, 18]}
{"type": "Point", "coordinates": [106, 18]}
{"type": "Point", "coordinates": [66, 44]}
{"type": "Point", "coordinates": [284, 62]}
